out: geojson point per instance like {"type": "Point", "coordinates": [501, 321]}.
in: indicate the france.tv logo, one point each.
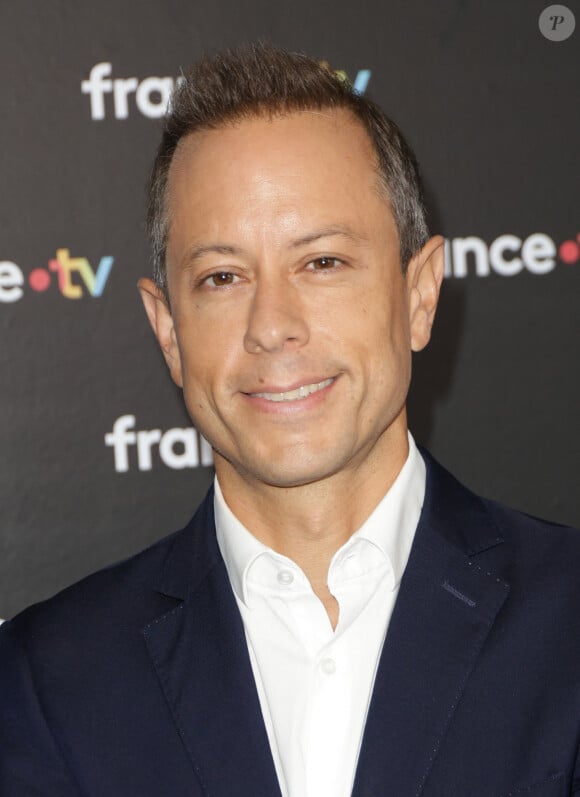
{"type": "Point", "coordinates": [73, 276]}
{"type": "Point", "coordinates": [152, 95]}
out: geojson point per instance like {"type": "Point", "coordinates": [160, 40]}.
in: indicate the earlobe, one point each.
{"type": "Point", "coordinates": [161, 320]}
{"type": "Point", "coordinates": [424, 278]}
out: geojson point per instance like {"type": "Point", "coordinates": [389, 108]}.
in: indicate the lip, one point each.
{"type": "Point", "coordinates": [290, 406]}
{"type": "Point", "coordinates": [304, 381]}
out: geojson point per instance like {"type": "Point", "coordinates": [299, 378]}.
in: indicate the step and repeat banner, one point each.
{"type": "Point", "coordinates": [98, 456]}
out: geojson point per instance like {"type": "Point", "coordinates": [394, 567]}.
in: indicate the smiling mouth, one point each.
{"type": "Point", "coordinates": [301, 392]}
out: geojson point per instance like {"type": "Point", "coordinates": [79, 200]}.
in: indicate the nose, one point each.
{"type": "Point", "coordinates": [276, 318]}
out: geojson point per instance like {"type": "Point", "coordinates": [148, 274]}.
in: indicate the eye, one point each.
{"type": "Point", "coordinates": [324, 264]}
{"type": "Point", "coordinates": [220, 279]}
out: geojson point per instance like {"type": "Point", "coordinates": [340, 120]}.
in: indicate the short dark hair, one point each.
{"type": "Point", "coordinates": [260, 79]}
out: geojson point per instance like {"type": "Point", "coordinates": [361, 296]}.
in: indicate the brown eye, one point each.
{"type": "Point", "coordinates": [222, 279]}
{"type": "Point", "coordinates": [324, 263]}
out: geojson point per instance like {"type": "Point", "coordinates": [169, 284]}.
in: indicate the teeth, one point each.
{"type": "Point", "coordinates": [299, 393]}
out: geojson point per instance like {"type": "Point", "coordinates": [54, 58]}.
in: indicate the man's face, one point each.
{"type": "Point", "coordinates": [290, 325]}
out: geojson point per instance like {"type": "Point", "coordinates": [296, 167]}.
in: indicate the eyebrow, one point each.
{"type": "Point", "coordinates": [342, 230]}
{"type": "Point", "coordinates": [198, 252]}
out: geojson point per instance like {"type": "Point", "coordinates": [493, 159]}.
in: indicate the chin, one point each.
{"type": "Point", "coordinates": [286, 472]}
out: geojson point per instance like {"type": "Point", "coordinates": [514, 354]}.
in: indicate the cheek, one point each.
{"type": "Point", "coordinates": [209, 353]}
{"type": "Point", "coordinates": [388, 349]}
{"type": "Point", "coordinates": [198, 354]}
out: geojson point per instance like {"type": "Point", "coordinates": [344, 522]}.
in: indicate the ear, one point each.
{"type": "Point", "coordinates": [424, 277]}
{"type": "Point", "coordinates": [161, 320]}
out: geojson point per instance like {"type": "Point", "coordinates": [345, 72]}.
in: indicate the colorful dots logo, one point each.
{"type": "Point", "coordinates": [569, 251]}
{"type": "Point", "coordinates": [39, 280]}
{"type": "Point", "coordinates": [75, 277]}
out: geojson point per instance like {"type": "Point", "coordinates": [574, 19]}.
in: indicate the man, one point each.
{"type": "Point", "coordinates": [341, 616]}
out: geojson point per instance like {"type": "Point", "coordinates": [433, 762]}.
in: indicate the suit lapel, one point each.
{"type": "Point", "coordinates": [446, 607]}
{"type": "Point", "coordinates": [201, 657]}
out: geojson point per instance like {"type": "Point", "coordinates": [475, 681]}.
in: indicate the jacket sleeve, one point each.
{"type": "Point", "coordinates": [31, 764]}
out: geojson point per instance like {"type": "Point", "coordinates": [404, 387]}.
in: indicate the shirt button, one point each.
{"type": "Point", "coordinates": [328, 666]}
{"type": "Point", "coordinates": [285, 577]}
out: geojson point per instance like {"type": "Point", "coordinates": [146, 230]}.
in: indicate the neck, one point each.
{"type": "Point", "coordinates": [308, 523]}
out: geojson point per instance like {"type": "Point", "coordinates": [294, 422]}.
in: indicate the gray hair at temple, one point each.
{"type": "Point", "coordinates": [260, 79]}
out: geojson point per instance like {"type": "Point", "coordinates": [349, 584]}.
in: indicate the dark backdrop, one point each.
{"type": "Point", "coordinates": [491, 107]}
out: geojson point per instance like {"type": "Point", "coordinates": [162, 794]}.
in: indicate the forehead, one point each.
{"type": "Point", "coordinates": [276, 171]}
{"type": "Point", "coordinates": [298, 125]}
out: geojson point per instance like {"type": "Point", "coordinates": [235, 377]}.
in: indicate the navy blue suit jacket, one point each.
{"type": "Point", "coordinates": [136, 682]}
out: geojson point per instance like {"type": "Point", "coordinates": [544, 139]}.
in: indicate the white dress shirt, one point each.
{"type": "Point", "coordinates": [314, 684]}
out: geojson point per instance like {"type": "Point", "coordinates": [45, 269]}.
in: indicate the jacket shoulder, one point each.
{"type": "Point", "coordinates": [125, 595]}
{"type": "Point", "coordinates": [488, 529]}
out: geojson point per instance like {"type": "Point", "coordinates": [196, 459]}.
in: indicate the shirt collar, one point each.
{"type": "Point", "coordinates": [390, 528]}
{"type": "Point", "coordinates": [391, 525]}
